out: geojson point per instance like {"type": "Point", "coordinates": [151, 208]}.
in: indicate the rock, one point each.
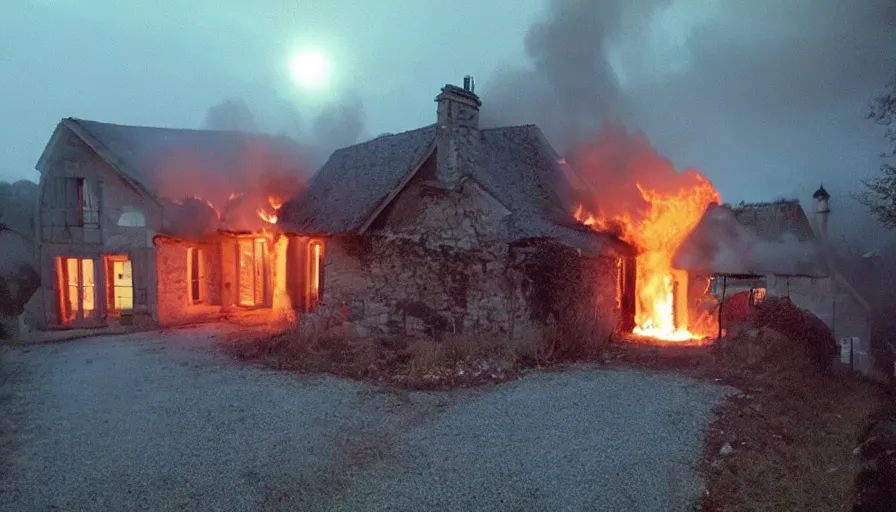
{"type": "Point", "coordinates": [726, 449]}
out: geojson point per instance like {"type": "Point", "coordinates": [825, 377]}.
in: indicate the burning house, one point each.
{"type": "Point", "coordinates": [159, 226]}
{"type": "Point", "coordinates": [453, 228]}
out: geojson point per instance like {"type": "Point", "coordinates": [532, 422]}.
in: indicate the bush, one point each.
{"type": "Point", "coordinates": [798, 326]}
{"type": "Point", "coordinates": [578, 335]}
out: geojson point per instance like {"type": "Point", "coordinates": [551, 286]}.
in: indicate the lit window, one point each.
{"type": "Point", "coordinates": [757, 295]}
{"type": "Point", "coordinates": [76, 288]}
{"type": "Point", "coordinates": [315, 274]}
{"type": "Point", "coordinates": [196, 274]}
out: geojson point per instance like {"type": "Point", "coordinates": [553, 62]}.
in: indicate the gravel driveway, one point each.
{"type": "Point", "coordinates": [162, 421]}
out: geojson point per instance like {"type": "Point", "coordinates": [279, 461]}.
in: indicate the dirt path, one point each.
{"type": "Point", "coordinates": [161, 421]}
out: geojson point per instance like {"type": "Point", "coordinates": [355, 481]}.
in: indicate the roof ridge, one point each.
{"type": "Point", "coordinates": [765, 203]}
{"type": "Point", "coordinates": [509, 127]}
{"type": "Point", "coordinates": [166, 128]}
{"type": "Point", "coordinates": [380, 137]}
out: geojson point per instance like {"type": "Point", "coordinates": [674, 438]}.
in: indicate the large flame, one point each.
{"type": "Point", "coordinates": [653, 208]}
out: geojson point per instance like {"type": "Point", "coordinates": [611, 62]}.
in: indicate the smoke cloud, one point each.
{"type": "Point", "coordinates": [721, 244]}
{"type": "Point", "coordinates": [231, 114]}
{"type": "Point", "coordinates": [339, 124]}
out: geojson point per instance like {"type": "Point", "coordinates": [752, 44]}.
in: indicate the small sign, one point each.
{"type": "Point", "coordinates": [845, 349]}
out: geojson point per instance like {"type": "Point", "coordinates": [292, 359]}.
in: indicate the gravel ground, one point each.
{"type": "Point", "coordinates": [162, 421]}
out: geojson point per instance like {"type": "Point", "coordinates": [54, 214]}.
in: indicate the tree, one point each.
{"type": "Point", "coordinates": [879, 195]}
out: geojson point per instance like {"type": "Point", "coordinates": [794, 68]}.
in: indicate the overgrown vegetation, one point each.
{"type": "Point", "coordinates": [787, 442]}
{"type": "Point", "coordinates": [325, 343]}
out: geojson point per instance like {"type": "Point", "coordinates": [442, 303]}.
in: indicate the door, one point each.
{"type": "Point", "coordinates": [253, 272]}
{"type": "Point", "coordinates": [119, 284]}
{"type": "Point", "coordinates": [77, 291]}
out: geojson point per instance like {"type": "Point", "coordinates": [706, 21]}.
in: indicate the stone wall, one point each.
{"type": "Point", "coordinates": [438, 262]}
{"type": "Point", "coordinates": [174, 303]}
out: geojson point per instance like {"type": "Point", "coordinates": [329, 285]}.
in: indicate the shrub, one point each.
{"type": "Point", "coordinates": [578, 335]}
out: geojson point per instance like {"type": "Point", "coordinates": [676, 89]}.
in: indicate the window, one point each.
{"type": "Point", "coordinates": [757, 295]}
{"type": "Point", "coordinates": [196, 274]}
{"type": "Point", "coordinates": [119, 284]}
{"type": "Point", "coordinates": [88, 215]}
{"type": "Point", "coordinates": [131, 219]}
{"type": "Point", "coordinates": [76, 288]}
{"type": "Point", "coordinates": [315, 274]}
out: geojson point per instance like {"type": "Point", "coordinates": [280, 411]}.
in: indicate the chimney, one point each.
{"type": "Point", "coordinates": [822, 211]}
{"type": "Point", "coordinates": [457, 132]}
{"type": "Point", "coordinates": [459, 106]}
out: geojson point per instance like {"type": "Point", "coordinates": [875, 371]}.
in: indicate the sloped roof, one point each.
{"type": "Point", "coordinates": [140, 152]}
{"type": "Point", "coordinates": [774, 220]}
{"type": "Point", "coordinates": [515, 164]}
{"type": "Point", "coordinates": [355, 180]}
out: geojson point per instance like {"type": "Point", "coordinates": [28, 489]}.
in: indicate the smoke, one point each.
{"type": "Point", "coordinates": [339, 124]}
{"type": "Point", "coordinates": [622, 170]}
{"type": "Point", "coordinates": [721, 244]}
{"type": "Point", "coordinates": [572, 87]}
{"type": "Point", "coordinates": [231, 114]}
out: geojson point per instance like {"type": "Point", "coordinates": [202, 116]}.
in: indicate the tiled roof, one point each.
{"type": "Point", "coordinates": [772, 221]}
{"type": "Point", "coordinates": [516, 165]}
{"type": "Point", "coordinates": [355, 181]}
{"type": "Point", "coordinates": [142, 151]}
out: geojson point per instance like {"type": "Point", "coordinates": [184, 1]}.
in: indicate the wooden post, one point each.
{"type": "Point", "coordinates": [722, 304]}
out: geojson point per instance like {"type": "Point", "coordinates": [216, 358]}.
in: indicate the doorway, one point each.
{"type": "Point", "coordinates": [253, 272]}
{"type": "Point", "coordinates": [119, 284]}
{"type": "Point", "coordinates": [76, 283]}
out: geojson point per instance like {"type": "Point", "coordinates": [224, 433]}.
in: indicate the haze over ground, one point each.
{"type": "Point", "coordinates": [766, 98]}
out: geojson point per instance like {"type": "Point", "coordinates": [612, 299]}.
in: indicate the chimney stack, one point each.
{"type": "Point", "coordinates": [822, 211]}
{"type": "Point", "coordinates": [457, 131]}
{"type": "Point", "coordinates": [459, 107]}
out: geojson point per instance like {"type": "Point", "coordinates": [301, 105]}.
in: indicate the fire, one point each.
{"type": "Point", "coordinates": [271, 218]}
{"type": "Point", "coordinates": [267, 217]}
{"type": "Point", "coordinates": [654, 208]}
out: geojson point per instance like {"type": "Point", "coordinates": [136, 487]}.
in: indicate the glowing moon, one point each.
{"type": "Point", "coordinates": [310, 69]}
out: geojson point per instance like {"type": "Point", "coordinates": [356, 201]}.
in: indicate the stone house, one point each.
{"type": "Point", "coordinates": [789, 257]}
{"type": "Point", "coordinates": [453, 228]}
{"type": "Point", "coordinates": [155, 225]}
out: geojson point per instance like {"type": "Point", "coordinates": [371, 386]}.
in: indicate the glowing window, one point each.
{"type": "Point", "coordinates": [76, 288]}
{"type": "Point", "coordinates": [757, 295]}
{"type": "Point", "coordinates": [315, 274]}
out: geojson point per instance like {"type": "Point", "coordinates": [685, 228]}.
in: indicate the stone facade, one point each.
{"type": "Point", "coordinates": [439, 261]}
{"type": "Point", "coordinates": [175, 305]}
{"type": "Point", "coordinates": [120, 221]}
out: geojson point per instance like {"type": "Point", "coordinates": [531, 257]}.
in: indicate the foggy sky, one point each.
{"type": "Point", "coordinates": [766, 98]}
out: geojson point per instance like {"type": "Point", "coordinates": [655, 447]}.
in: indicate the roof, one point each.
{"type": "Point", "coordinates": [355, 180]}
{"type": "Point", "coordinates": [515, 164]}
{"type": "Point", "coordinates": [775, 220]}
{"type": "Point", "coordinates": [142, 154]}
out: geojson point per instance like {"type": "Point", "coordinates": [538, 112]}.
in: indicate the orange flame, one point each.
{"type": "Point", "coordinates": [669, 218]}
{"type": "Point", "coordinates": [267, 216]}
{"type": "Point", "coordinates": [270, 218]}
